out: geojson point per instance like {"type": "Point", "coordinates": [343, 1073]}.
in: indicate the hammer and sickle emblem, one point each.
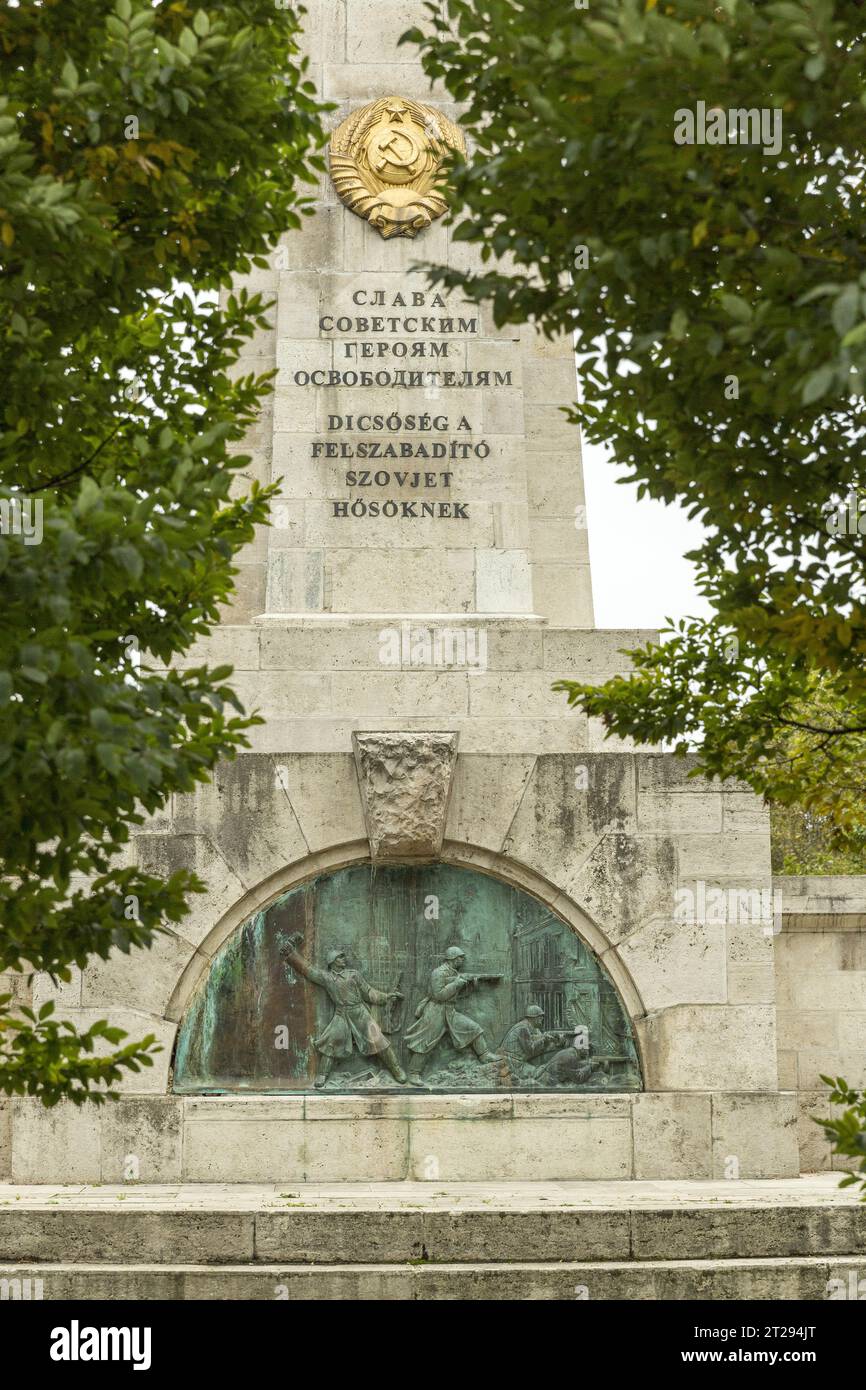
{"type": "Point", "coordinates": [397, 148]}
{"type": "Point", "coordinates": [385, 160]}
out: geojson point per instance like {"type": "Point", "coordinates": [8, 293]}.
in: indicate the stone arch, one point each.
{"type": "Point", "coordinates": [521, 883]}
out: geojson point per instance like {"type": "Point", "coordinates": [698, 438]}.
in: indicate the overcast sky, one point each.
{"type": "Point", "coordinates": [639, 575]}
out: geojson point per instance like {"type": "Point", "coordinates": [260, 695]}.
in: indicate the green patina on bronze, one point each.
{"type": "Point", "coordinates": [432, 977]}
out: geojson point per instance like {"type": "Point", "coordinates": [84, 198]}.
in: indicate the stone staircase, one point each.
{"type": "Point", "coordinates": [517, 1241]}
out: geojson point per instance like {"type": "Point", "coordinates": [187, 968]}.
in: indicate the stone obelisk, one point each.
{"type": "Point", "coordinates": [426, 467]}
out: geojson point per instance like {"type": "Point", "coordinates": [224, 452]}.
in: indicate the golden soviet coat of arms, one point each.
{"type": "Point", "coordinates": [385, 161]}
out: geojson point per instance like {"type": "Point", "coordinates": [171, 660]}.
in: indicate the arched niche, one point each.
{"type": "Point", "coordinates": [276, 1012]}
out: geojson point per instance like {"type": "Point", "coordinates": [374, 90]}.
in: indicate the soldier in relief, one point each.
{"type": "Point", "coordinates": [436, 1016]}
{"type": "Point", "coordinates": [525, 1042]}
{"type": "Point", "coordinates": [352, 1026]}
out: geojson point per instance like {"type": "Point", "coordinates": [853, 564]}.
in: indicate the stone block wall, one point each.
{"type": "Point", "coordinates": [608, 840]}
{"type": "Point", "coordinates": [316, 679]}
{"type": "Point", "coordinates": [821, 990]}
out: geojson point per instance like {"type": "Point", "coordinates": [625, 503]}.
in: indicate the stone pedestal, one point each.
{"type": "Point", "coordinates": [357, 632]}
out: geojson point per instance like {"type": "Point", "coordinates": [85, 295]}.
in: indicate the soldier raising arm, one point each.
{"type": "Point", "coordinates": [352, 1026]}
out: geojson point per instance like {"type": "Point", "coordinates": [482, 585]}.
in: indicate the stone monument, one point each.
{"type": "Point", "coordinates": [450, 932]}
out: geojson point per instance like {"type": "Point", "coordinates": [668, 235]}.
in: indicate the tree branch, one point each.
{"type": "Point", "coordinates": [817, 729]}
{"type": "Point", "coordinates": [79, 468]}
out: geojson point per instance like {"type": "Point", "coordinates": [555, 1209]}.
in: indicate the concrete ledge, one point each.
{"type": "Point", "coordinates": [797, 1279]}
{"type": "Point", "coordinates": [822, 902]}
{"type": "Point", "coordinates": [447, 1223]}
{"type": "Point", "coordinates": [423, 1138]}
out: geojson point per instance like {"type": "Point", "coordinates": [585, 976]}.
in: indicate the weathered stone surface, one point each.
{"type": "Point", "coordinates": [703, 1047]}
{"type": "Point", "coordinates": [335, 1150]}
{"type": "Point", "coordinates": [334, 819]}
{"type": "Point", "coordinates": [672, 1135]}
{"type": "Point", "coordinates": [669, 812]}
{"type": "Point", "coordinates": [141, 1140]}
{"type": "Point", "coordinates": [814, 1143]}
{"type": "Point", "coordinates": [732, 1232]}
{"type": "Point", "coordinates": [677, 962]}
{"type": "Point", "coordinates": [242, 1151]}
{"type": "Point", "coordinates": [827, 900]}
{"type": "Point", "coordinates": [567, 809]}
{"type": "Point", "coordinates": [534, 1150]}
{"type": "Point", "coordinates": [405, 782]}
{"type": "Point", "coordinates": [385, 1236]}
{"type": "Point", "coordinates": [129, 1234]}
{"type": "Point", "coordinates": [247, 814]}
{"type": "Point", "coordinates": [137, 980]}
{"type": "Point", "coordinates": [486, 795]}
{"type": "Point", "coordinates": [626, 881]}
{"type": "Point", "coordinates": [62, 1144]}
{"type": "Point", "coordinates": [796, 1278]}
{"type": "Point", "coordinates": [5, 1140]}
{"type": "Point", "coordinates": [755, 1136]}
{"type": "Point", "coordinates": [162, 855]}
{"type": "Point", "coordinates": [671, 1239]}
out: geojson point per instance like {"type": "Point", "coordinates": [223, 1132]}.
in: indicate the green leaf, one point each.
{"type": "Point", "coordinates": [109, 757]}
{"type": "Point", "coordinates": [814, 67]}
{"type": "Point", "coordinates": [187, 43]}
{"type": "Point", "coordinates": [129, 559]}
{"type": "Point", "coordinates": [69, 75]}
{"type": "Point", "coordinates": [846, 309]}
{"type": "Point", "coordinates": [603, 31]}
{"type": "Point", "coordinates": [817, 384]}
{"type": "Point", "coordinates": [89, 496]}
{"type": "Point", "coordinates": [736, 307]}
{"type": "Point", "coordinates": [679, 324]}
{"type": "Point", "coordinates": [855, 336]}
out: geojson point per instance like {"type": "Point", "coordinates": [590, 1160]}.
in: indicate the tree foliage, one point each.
{"type": "Point", "coordinates": [148, 151]}
{"type": "Point", "coordinates": [848, 1130]}
{"type": "Point", "coordinates": [802, 844]}
{"type": "Point", "coordinates": [717, 292]}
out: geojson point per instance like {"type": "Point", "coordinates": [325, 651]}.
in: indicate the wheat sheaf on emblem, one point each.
{"type": "Point", "coordinates": [385, 161]}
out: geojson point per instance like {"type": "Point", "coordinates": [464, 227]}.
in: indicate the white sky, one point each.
{"type": "Point", "coordinates": [637, 549]}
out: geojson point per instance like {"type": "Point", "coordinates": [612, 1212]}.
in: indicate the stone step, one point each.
{"type": "Point", "coordinates": [796, 1279]}
{"type": "Point", "coordinates": [393, 1233]}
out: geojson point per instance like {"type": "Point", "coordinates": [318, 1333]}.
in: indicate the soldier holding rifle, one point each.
{"type": "Point", "coordinates": [437, 1016]}
{"type": "Point", "coordinates": [525, 1041]}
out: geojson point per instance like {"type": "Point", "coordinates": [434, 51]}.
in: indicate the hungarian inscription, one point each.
{"type": "Point", "coordinates": [388, 443]}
